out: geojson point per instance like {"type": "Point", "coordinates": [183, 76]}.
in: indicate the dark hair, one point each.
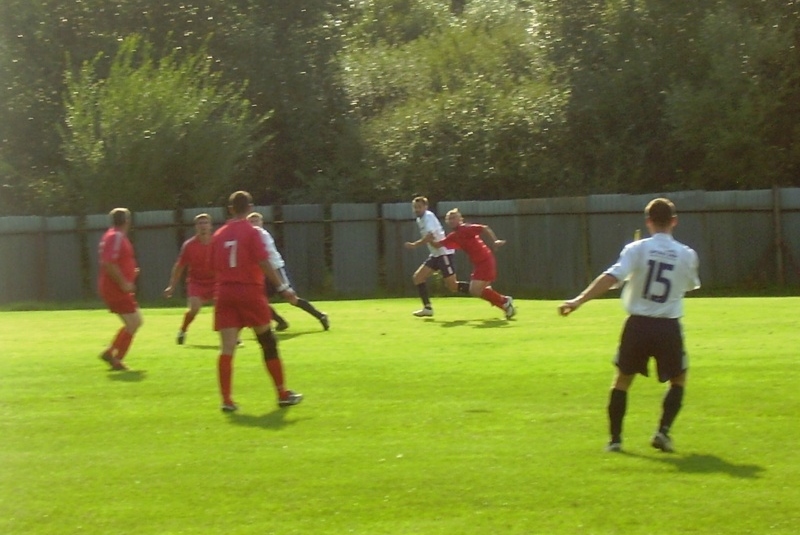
{"type": "Point", "coordinates": [240, 202]}
{"type": "Point", "coordinates": [660, 211]}
{"type": "Point", "coordinates": [119, 216]}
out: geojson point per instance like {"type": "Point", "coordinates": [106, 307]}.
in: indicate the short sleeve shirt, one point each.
{"type": "Point", "coordinates": [429, 223]}
{"type": "Point", "coordinates": [467, 237]}
{"type": "Point", "coordinates": [196, 256]}
{"type": "Point", "coordinates": [116, 248]}
{"type": "Point", "coordinates": [657, 271]}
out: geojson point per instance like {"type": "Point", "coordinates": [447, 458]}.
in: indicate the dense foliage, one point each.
{"type": "Point", "coordinates": [375, 100]}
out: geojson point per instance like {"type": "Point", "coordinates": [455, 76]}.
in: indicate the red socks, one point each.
{"type": "Point", "coordinates": [493, 297]}
{"type": "Point", "coordinates": [121, 344]}
{"type": "Point", "coordinates": [275, 369]}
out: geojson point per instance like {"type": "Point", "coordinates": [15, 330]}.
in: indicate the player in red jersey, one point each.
{"type": "Point", "coordinates": [194, 257]}
{"type": "Point", "coordinates": [116, 285]}
{"type": "Point", "coordinates": [240, 262]}
{"type": "Point", "coordinates": [467, 237]}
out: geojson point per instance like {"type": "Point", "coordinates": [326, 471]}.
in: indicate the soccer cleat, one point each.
{"type": "Point", "coordinates": [423, 312]}
{"type": "Point", "coordinates": [508, 306]}
{"type": "Point", "coordinates": [662, 442]}
{"type": "Point", "coordinates": [113, 361]}
{"type": "Point", "coordinates": [614, 446]}
{"type": "Point", "coordinates": [326, 324]}
{"type": "Point", "coordinates": [282, 325]}
{"type": "Point", "coordinates": [181, 337]}
{"type": "Point", "coordinates": [229, 406]}
{"type": "Point", "coordinates": [290, 398]}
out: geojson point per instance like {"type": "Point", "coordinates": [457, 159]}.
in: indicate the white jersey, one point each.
{"type": "Point", "coordinates": [275, 258]}
{"type": "Point", "coordinates": [428, 222]}
{"type": "Point", "coordinates": [658, 272]}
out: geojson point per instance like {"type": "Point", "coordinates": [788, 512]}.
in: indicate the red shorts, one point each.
{"type": "Point", "coordinates": [241, 306]}
{"type": "Point", "coordinates": [486, 270]}
{"type": "Point", "coordinates": [120, 303]}
{"type": "Point", "coordinates": [204, 291]}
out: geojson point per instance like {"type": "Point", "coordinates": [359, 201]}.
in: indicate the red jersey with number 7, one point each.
{"type": "Point", "coordinates": [236, 250]}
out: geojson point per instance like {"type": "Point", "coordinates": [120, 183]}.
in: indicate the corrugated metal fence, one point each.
{"type": "Point", "coordinates": [554, 245]}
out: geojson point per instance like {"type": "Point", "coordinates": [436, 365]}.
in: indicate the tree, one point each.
{"type": "Point", "coordinates": [154, 133]}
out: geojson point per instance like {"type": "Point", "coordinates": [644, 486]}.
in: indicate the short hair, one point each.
{"type": "Point", "coordinates": [198, 217]}
{"type": "Point", "coordinates": [660, 211]}
{"type": "Point", "coordinates": [454, 211]}
{"type": "Point", "coordinates": [421, 199]}
{"type": "Point", "coordinates": [119, 216]}
{"type": "Point", "coordinates": [255, 215]}
{"type": "Point", "coordinates": [240, 202]}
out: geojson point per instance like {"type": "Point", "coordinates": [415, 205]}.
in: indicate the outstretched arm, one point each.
{"type": "Point", "coordinates": [596, 288]}
{"type": "Point", "coordinates": [493, 237]}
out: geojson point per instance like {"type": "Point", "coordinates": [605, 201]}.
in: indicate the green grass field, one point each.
{"type": "Point", "coordinates": [460, 424]}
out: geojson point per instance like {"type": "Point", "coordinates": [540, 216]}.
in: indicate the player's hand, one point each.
{"type": "Point", "coordinates": [409, 245]}
{"type": "Point", "coordinates": [499, 243]}
{"type": "Point", "coordinates": [128, 287]}
{"type": "Point", "coordinates": [568, 307]}
{"type": "Point", "coordinates": [168, 291]}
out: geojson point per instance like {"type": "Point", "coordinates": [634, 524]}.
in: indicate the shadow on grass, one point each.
{"type": "Point", "coordinates": [476, 324]}
{"type": "Point", "coordinates": [697, 463]}
{"type": "Point", "coordinates": [271, 420]}
{"type": "Point", "coordinates": [127, 376]}
{"type": "Point", "coordinates": [284, 335]}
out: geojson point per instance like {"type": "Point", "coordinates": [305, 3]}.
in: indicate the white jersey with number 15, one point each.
{"type": "Point", "coordinates": [658, 272]}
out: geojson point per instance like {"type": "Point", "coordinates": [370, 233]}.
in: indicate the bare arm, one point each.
{"type": "Point", "coordinates": [281, 286]}
{"type": "Point", "coordinates": [493, 237]}
{"type": "Point", "coordinates": [596, 288]}
{"type": "Point", "coordinates": [174, 277]}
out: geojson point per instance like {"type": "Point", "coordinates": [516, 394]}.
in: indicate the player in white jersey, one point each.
{"type": "Point", "coordinates": [278, 264]}
{"type": "Point", "coordinates": [440, 258]}
{"type": "Point", "coordinates": [657, 272]}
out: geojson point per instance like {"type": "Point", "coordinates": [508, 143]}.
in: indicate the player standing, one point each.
{"type": "Point", "coordinates": [195, 258]}
{"type": "Point", "coordinates": [468, 238]}
{"type": "Point", "coordinates": [440, 258]}
{"type": "Point", "coordinates": [117, 285]}
{"type": "Point", "coordinates": [240, 263]}
{"type": "Point", "coordinates": [657, 272]}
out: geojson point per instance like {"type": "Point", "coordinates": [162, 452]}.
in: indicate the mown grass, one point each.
{"type": "Point", "coordinates": [460, 424]}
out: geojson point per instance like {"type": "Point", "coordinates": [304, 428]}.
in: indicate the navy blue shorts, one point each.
{"type": "Point", "coordinates": [443, 264]}
{"type": "Point", "coordinates": [644, 337]}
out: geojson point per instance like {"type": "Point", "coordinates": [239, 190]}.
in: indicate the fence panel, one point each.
{"type": "Point", "coordinates": [304, 245]}
{"type": "Point", "coordinates": [355, 248]}
{"type": "Point", "coordinates": [22, 267]}
{"type": "Point", "coordinates": [64, 279]}
{"type": "Point", "coordinates": [154, 235]}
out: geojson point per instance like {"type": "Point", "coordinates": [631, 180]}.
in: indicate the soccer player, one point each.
{"type": "Point", "coordinates": [468, 238]}
{"type": "Point", "coordinates": [440, 258]}
{"type": "Point", "coordinates": [657, 272]}
{"type": "Point", "coordinates": [117, 285]}
{"type": "Point", "coordinates": [276, 260]}
{"type": "Point", "coordinates": [195, 258]}
{"type": "Point", "coordinates": [240, 262]}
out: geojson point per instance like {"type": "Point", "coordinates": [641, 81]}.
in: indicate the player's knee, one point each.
{"type": "Point", "coordinates": [268, 344]}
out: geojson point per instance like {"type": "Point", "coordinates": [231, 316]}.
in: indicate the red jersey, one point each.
{"type": "Point", "coordinates": [115, 248]}
{"type": "Point", "coordinates": [236, 250]}
{"type": "Point", "coordinates": [467, 238]}
{"type": "Point", "coordinates": [196, 256]}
